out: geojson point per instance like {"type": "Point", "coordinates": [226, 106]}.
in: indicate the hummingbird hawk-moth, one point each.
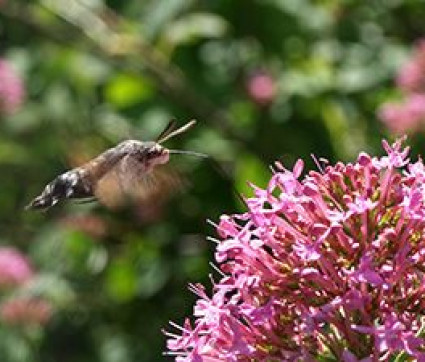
{"type": "Point", "coordinates": [128, 170]}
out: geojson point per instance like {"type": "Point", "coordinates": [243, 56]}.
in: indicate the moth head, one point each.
{"type": "Point", "coordinates": [156, 154]}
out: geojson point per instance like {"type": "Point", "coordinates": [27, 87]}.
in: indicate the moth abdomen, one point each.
{"type": "Point", "coordinates": [69, 185]}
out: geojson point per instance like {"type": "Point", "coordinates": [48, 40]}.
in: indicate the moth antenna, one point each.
{"type": "Point", "coordinates": [178, 131]}
{"type": "Point", "coordinates": [168, 128]}
{"type": "Point", "coordinates": [190, 153]}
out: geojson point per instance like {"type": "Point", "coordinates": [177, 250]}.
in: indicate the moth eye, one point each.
{"type": "Point", "coordinates": [154, 151]}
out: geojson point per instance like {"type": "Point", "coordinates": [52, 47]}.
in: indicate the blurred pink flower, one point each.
{"type": "Point", "coordinates": [25, 311]}
{"type": "Point", "coordinates": [12, 90]}
{"type": "Point", "coordinates": [327, 265]}
{"type": "Point", "coordinates": [15, 268]}
{"type": "Point", "coordinates": [91, 225]}
{"type": "Point", "coordinates": [411, 77]}
{"type": "Point", "coordinates": [261, 88]}
{"type": "Point", "coordinates": [404, 117]}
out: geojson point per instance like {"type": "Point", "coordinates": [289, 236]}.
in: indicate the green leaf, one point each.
{"type": "Point", "coordinates": [160, 13]}
{"type": "Point", "coordinates": [152, 278]}
{"type": "Point", "coordinates": [195, 26]}
{"type": "Point", "coordinates": [121, 281]}
{"type": "Point", "coordinates": [126, 90]}
{"type": "Point", "coordinates": [12, 153]}
{"type": "Point", "coordinates": [249, 169]}
{"type": "Point", "coordinates": [51, 287]}
{"type": "Point", "coordinates": [114, 348]}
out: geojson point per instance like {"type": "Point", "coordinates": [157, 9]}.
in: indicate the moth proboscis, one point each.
{"type": "Point", "coordinates": [130, 170]}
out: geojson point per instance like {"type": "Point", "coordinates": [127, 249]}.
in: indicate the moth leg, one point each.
{"type": "Point", "coordinates": [86, 200]}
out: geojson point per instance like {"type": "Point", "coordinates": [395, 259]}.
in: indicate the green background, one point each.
{"type": "Point", "coordinates": [98, 72]}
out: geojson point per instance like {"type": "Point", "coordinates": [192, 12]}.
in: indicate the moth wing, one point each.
{"type": "Point", "coordinates": [130, 181]}
{"type": "Point", "coordinates": [108, 189]}
{"type": "Point", "coordinates": [156, 185]}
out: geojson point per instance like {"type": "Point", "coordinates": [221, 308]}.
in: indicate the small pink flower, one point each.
{"type": "Point", "coordinates": [404, 117]}
{"type": "Point", "coordinates": [261, 88]}
{"type": "Point", "coordinates": [393, 335]}
{"type": "Point", "coordinates": [411, 77]}
{"type": "Point", "coordinates": [91, 225]}
{"type": "Point", "coordinates": [21, 311]}
{"type": "Point", "coordinates": [15, 268]}
{"type": "Point", "coordinates": [12, 90]}
{"type": "Point", "coordinates": [329, 265]}
{"type": "Point", "coordinates": [408, 116]}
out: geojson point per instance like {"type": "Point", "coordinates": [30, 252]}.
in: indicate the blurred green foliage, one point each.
{"type": "Point", "coordinates": [97, 72]}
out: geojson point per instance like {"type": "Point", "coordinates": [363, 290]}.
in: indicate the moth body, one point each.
{"type": "Point", "coordinates": [69, 185]}
{"type": "Point", "coordinates": [127, 169]}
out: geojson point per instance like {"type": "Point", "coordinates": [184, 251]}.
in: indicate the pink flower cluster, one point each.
{"type": "Point", "coordinates": [16, 271]}
{"type": "Point", "coordinates": [411, 77]}
{"type": "Point", "coordinates": [12, 90]}
{"type": "Point", "coordinates": [14, 268]}
{"type": "Point", "coordinates": [409, 114]}
{"type": "Point", "coordinates": [24, 310]}
{"type": "Point", "coordinates": [330, 266]}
